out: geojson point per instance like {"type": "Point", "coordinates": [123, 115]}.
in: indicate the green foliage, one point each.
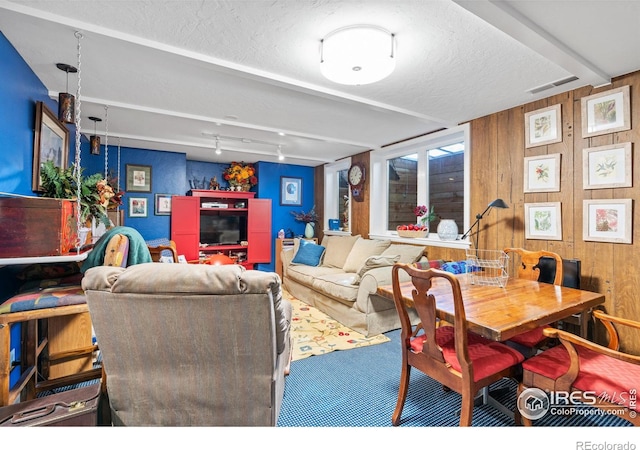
{"type": "Point", "coordinates": [58, 182]}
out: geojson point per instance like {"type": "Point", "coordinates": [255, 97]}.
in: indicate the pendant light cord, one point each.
{"type": "Point", "coordinates": [76, 168]}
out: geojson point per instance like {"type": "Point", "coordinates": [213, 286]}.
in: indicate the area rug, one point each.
{"type": "Point", "coordinates": [315, 333]}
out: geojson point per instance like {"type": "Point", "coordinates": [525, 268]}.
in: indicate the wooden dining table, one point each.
{"type": "Point", "coordinates": [500, 313]}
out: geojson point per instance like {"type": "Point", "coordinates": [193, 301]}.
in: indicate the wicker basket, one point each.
{"type": "Point", "coordinates": [412, 233]}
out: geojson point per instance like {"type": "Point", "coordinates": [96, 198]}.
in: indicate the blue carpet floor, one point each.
{"type": "Point", "coordinates": [359, 388]}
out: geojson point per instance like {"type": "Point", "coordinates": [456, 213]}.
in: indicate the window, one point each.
{"type": "Point", "coordinates": [432, 170]}
{"type": "Point", "coordinates": [337, 195]}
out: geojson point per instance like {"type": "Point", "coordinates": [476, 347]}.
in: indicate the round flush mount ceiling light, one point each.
{"type": "Point", "coordinates": [358, 54]}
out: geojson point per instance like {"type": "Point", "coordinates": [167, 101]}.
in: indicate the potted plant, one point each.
{"type": "Point", "coordinates": [96, 193]}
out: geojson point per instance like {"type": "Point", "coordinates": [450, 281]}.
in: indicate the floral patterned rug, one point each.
{"type": "Point", "coordinates": [315, 333]}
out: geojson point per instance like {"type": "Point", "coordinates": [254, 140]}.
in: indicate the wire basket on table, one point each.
{"type": "Point", "coordinates": [487, 267]}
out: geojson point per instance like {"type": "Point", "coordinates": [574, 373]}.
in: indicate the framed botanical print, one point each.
{"type": "Point", "coordinates": [138, 206]}
{"type": "Point", "coordinates": [138, 178]}
{"type": "Point", "coordinates": [543, 221]}
{"type": "Point", "coordinates": [608, 166]}
{"type": "Point", "coordinates": [608, 220]}
{"type": "Point", "coordinates": [606, 112]}
{"type": "Point", "coordinates": [543, 126]}
{"type": "Point", "coordinates": [542, 173]}
{"type": "Point", "coordinates": [163, 205]}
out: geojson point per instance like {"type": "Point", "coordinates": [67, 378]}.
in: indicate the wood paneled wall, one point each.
{"type": "Point", "coordinates": [497, 168]}
{"type": "Point", "coordinates": [497, 171]}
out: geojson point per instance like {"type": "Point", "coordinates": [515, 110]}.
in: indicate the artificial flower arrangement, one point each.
{"type": "Point", "coordinates": [241, 174]}
{"type": "Point", "coordinates": [306, 217]}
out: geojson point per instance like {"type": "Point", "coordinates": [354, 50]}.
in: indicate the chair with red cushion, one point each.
{"type": "Point", "coordinates": [460, 360]}
{"type": "Point", "coordinates": [588, 369]}
{"type": "Point", "coordinates": [528, 268]}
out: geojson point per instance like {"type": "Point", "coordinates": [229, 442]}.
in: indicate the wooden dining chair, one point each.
{"type": "Point", "coordinates": [528, 268]}
{"type": "Point", "coordinates": [164, 250]}
{"type": "Point", "coordinates": [602, 376]}
{"type": "Point", "coordinates": [458, 359]}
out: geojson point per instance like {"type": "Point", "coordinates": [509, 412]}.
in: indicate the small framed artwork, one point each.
{"type": "Point", "coordinates": [543, 221]}
{"type": "Point", "coordinates": [608, 166]}
{"type": "Point", "coordinates": [50, 143]}
{"type": "Point", "coordinates": [291, 191]}
{"type": "Point", "coordinates": [542, 173]}
{"type": "Point", "coordinates": [606, 112]}
{"type": "Point", "coordinates": [163, 205]}
{"type": "Point", "coordinates": [607, 220]}
{"type": "Point", "coordinates": [138, 206]}
{"type": "Point", "coordinates": [543, 126]}
{"type": "Point", "coordinates": [138, 178]}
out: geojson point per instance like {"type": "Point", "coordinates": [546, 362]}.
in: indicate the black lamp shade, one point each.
{"type": "Point", "coordinates": [95, 145]}
{"type": "Point", "coordinates": [498, 203]}
{"type": "Point", "coordinates": [66, 107]}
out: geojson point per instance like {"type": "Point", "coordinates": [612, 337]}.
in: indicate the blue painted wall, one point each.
{"type": "Point", "coordinates": [20, 90]}
{"type": "Point", "coordinates": [171, 173]}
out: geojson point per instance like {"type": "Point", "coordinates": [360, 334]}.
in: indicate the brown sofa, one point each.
{"type": "Point", "coordinates": [191, 345]}
{"type": "Point", "coordinates": [345, 281]}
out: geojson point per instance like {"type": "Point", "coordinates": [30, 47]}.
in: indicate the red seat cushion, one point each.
{"type": "Point", "coordinates": [607, 377]}
{"type": "Point", "coordinates": [488, 356]}
{"type": "Point", "coordinates": [530, 338]}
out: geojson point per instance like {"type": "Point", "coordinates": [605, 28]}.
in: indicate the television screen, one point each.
{"type": "Point", "coordinates": [222, 229]}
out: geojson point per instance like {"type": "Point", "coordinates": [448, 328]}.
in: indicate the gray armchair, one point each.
{"type": "Point", "coordinates": [191, 345]}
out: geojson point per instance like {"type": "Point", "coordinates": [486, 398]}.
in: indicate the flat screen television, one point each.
{"type": "Point", "coordinates": [223, 229]}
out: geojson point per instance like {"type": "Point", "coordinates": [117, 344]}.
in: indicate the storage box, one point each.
{"type": "Point", "coordinates": [37, 226]}
{"type": "Point", "coordinates": [72, 408]}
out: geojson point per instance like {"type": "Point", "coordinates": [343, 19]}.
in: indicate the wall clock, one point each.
{"type": "Point", "coordinates": [356, 176]}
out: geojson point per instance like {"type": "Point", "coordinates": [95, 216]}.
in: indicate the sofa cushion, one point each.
{"type": "Point", "coordinates": [408, 253]}
{"type": "Point", "coordinates": [338, 248]}
{"type": "Point", "coordinates": [337, 285]}
{"type": "Point", "coordinates": [363, 249]}
{"type": "Point", "coordinates": [309, 254]}
{"type": "Point", "coordinates": [306, 274]}
{"type": "Point", "coordinates": [372, 262]}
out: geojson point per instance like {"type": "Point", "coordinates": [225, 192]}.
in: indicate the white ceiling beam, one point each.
{"type": "Point", "coordinates": [504, 17]}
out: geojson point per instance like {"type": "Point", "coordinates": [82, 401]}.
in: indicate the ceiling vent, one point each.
{"type": "Point", "coordinates": [552, 85]}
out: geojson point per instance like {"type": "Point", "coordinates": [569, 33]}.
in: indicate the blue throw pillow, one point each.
{"type": "Point", "coordinates": [308, 253]}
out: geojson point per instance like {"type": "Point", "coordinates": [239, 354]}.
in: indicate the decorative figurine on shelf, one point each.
{"type": "Point", "coordinates": [213, 184]}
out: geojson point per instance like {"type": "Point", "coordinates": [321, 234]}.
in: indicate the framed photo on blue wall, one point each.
{"type": "Point", "coordinates": [291, 191]}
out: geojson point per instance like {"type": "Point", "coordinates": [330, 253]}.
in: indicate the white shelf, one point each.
{"type": "Point", "coordinates": [43, 259]}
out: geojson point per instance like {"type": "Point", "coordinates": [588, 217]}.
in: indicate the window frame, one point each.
{"type": "Point", "coordinates": [379, 171]}
{"type": "Point", "coordinates": [331, 190]}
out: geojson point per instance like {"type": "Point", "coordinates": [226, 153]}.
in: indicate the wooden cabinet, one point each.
{"type": "Point", "coordinates": [229, 222]}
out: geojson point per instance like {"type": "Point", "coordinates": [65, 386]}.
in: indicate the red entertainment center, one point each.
{"type": "Point", "coordinates": [234, 223]}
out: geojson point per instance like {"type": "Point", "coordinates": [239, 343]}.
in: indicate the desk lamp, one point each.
{"type": "Point", "coordinates": [497, 203]}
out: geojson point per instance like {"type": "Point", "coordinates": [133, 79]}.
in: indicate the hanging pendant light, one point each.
{"type": "Point", "coordinates": [218, 149]}
{"type": "Point", "coordinates": [66, 101]}
{"type": "Point", "coordinates": [95, 139]}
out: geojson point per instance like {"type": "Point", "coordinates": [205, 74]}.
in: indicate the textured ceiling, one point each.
{"type": "Point", "coordinates": [175, 74]}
